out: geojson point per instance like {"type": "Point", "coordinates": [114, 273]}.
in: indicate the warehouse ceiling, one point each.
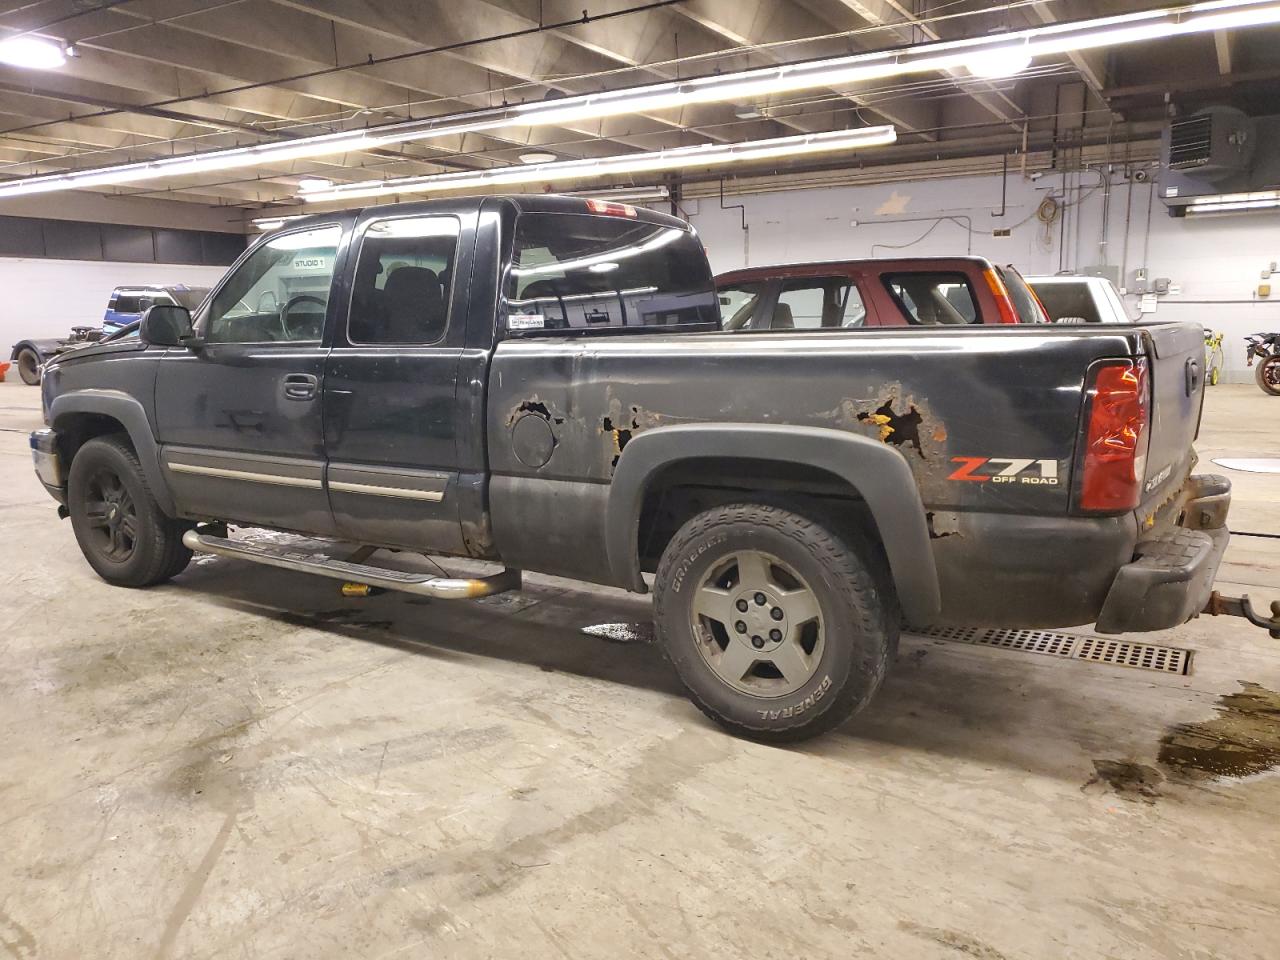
{"type": "Point", "coordinates": [156, 78]}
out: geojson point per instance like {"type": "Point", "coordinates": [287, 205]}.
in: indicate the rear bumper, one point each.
{"type": "Point", "coordinates": [44, 451]}
{"type": "Point", "coordinates": [1172, 575]}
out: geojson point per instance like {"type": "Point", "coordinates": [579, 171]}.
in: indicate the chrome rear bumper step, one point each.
{"type": "Point", "coordinates": [422, 584]}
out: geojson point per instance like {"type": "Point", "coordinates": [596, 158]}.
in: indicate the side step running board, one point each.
{"type": "Point", "coordinates": [423, 584]}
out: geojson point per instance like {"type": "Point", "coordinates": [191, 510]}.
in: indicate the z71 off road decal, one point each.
{"type": "Point", "coordinates": [1005, 470]}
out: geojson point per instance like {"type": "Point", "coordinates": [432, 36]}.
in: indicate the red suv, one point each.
{"type": "Point", "coordinates": [915, 291]}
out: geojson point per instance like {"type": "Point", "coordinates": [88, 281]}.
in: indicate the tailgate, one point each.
{"type": "Point", "coordinates": [1176, 358]}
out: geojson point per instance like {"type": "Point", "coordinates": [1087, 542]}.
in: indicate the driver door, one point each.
{"type": "Point", "coordinates": [240, 417]}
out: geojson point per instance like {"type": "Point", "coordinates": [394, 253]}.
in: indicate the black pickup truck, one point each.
{"type": "Point", "coordinates": [540, 382]}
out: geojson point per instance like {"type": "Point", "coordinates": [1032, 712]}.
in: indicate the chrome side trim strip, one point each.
{"type": "Point", "coordinates": [276, 479]}
{"type": "Point", "coordinates": [380, 491]}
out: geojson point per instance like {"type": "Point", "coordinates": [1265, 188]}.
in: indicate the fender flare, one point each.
{"type": "Point", "coordinates": [878, 472]}
{"type": "Point", "coordinates": [131, 414]}
{"type": "Point", "coordinates": [44, 349]}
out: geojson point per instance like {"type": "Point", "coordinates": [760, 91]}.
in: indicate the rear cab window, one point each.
{"type": "Point", "coordinates": [933, 298]}
{"type": "Point", "coordinates": [1069, 301]}
{"type": "Point", "coordinates": [585, 272]}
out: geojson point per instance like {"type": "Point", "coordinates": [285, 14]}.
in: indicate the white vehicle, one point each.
{"type": "Point", "coordinates": [1080, 299]}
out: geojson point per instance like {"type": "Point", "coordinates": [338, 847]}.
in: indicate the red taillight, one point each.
{"type": "Point", "coordinates": [1004, 302]}
{"type": "Point", "coordinates": [1115, 451]}
{"type": "Point", "coordinates": [611, 209]}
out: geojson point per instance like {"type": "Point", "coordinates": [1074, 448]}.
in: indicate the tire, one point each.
{"type": "Point", "coordinates": [121, 530]}
{"type": "Point", "coordinates": [29, 366]}
{"type": "Point", "coordinates": [1268, 375]}
{"type": "Point", "coordinates": [714, 565]}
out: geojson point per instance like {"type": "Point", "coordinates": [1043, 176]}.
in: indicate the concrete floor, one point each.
{"type": "Point", "coordinates": [245, 764]}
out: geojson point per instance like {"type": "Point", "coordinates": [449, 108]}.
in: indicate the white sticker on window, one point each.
{"type": "Point", "coordinates": [525, 321]}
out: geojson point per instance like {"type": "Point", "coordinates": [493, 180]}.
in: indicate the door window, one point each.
{"type": "Point", "coordinates": [823, 302]}
{"type": "Point", "coordinates": [402, 281]}
{"type": "Point", "coordinates": [930, 299]}
{"type": "Point", "coordinates": [281, 292]}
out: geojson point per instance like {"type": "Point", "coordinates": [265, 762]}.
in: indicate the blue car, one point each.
{"type": "Point", "coordinates": [124, 309]}
{"type": "Point", "coordinates": [128, 303]}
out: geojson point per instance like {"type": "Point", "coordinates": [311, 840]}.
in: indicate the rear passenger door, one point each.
{"type": "Point", "coordinates": [390, 428]}
{"type": "Point", "coordinates": [813, 303]}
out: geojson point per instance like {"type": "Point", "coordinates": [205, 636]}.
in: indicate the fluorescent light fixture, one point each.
{"type": "Point", "coordinates": [702, 155]}
{"type": "Point", "coordinates": [1234, 202]}
{"type": "Point", "coordinates": [999, 62]}
{"type": "Point", "coordinates": [740, 87]}
{"type": "Point", "coordinates": [1233, 207]}
{"type": "Point", "coordinates": [314, 183]}
{"type": "Point", "coordinates": [34, 53]}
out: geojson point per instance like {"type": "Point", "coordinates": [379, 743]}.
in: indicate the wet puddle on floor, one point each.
{"type": "Point", "coordinates": [621, 632]}
{"type": "Point", "coordinates": [1241, 741]}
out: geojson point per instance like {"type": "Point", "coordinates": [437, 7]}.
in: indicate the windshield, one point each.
{"type": "Point", "coordinates": [1024, 300]}
{"type": "Point", "coordinates": [582, 272]}
{"type": "Point", "coordinates": [1069, 301]}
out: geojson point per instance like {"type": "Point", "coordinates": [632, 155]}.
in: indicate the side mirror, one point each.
{"type": "Point", "coordinates": [165, 325]}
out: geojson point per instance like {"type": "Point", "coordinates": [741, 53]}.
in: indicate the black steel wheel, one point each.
{"type": "Point", "coordinates": [29, 366]}
{"type": "Point", "coordinates": [122, 532]}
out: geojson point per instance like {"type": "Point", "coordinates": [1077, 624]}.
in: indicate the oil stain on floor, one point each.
{"type": "Point", "coordinates": [1241, 741]}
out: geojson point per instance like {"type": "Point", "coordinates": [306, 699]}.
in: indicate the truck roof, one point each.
{"type": "Point", "coordinates": [521, 202]}
{"type": "Point", "coordinates": [817, 267]}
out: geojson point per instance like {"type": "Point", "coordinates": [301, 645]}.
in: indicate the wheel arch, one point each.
{"type": "Point", "coordinates": [82, 415]}
{"type": "Point", "coordinates": [873, 472]}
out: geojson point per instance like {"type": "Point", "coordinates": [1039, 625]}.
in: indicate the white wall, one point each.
{"type": "Point", "coordinates": [46, 298]}
{"type": "Point", "coordinates": [1216, 262]}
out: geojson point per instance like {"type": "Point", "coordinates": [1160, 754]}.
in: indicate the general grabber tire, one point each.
{"type": "Point", "coordinates": [122, 532]}
{"type": "Point", "coordinates": [774, 623]}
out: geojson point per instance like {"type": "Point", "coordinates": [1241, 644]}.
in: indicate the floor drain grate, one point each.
{"type": "Point", "coordinates": [1120, 653]}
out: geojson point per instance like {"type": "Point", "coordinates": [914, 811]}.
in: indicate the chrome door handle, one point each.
{"type": "Point", "coordinates": [300, 386]}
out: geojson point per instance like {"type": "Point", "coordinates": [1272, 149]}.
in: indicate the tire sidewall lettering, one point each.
{"type": "Point", "coordinates": [690, 558]}
{"type": "Point", "coordinates": [806, 704]}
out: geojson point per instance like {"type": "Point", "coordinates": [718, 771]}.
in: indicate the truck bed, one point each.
{"type": "Point", "coordinates": [945, 399]}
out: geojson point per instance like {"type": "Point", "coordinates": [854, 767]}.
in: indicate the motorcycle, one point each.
{"type": "Point", "coordinates": [1265, 348]}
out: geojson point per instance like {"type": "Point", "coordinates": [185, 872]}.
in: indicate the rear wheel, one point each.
{"type": "Point", "coordinates": [774, 623]}
{"type": "Point", "coordinates": [122, 532]}
{"type": "Point", "coordinates": [29, 366]}
{"type": "Point", "coordinates": [1268, 375]}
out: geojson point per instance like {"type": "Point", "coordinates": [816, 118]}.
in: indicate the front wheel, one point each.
{"type": "Point", "coordinates": [1268, 375]}
{"type": "Point", "coordinates": [29, 366]}
{"type": "Point", "coordinates": [774, 623]}
{"type": "Point", "coordinates": [122, 532]}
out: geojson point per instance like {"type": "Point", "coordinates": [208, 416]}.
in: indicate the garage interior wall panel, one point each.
{"type": "Point", "coordinates": [46, 298]}
{"type": "Point", "coordinates": [1216, 263]}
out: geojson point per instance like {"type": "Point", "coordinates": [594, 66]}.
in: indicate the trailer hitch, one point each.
{"type": "Point", "coordinates": [1219, 605]}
